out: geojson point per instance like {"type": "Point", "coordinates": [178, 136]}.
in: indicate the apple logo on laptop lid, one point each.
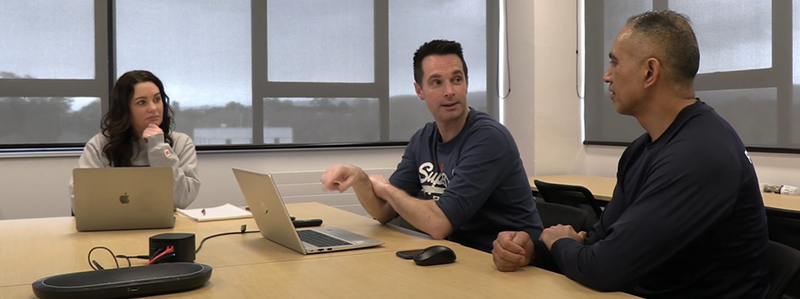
{"type": "Point", "coordinates": [124, 198]}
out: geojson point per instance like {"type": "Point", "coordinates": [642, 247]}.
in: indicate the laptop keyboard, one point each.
{"type": "Point", "coordinates": [319, 239]}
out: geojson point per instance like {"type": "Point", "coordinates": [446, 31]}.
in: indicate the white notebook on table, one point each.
{"type": "Point", "coordinates": [223, 212]}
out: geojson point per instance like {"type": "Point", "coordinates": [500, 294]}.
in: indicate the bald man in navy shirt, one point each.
{"type": "Point", "coordinates": [686, 219]}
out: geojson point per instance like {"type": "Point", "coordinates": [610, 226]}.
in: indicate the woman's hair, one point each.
{"type": "Point", "coordinates": [117, 124]}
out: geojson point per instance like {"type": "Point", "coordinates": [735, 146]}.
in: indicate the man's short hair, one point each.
{"type": "Point", "coordinates": [669, 35]}
{"type": "Point", "coordinates": [437, 47]}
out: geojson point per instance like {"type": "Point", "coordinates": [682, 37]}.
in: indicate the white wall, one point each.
{"type": "Point", "coordinates": [543, 109]}
{"type": "Point", "coordinates": [38, 186]}
{"type": "Point", "coordinates": [519, 106]}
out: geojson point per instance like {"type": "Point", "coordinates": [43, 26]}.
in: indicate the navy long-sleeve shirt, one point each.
{"type": "Point", "coordinates": [686, 221]}
{"type": "Point", "coordinates": [477, 180]}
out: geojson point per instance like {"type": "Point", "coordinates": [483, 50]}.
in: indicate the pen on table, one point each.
{"type": "Point", "coordinates": [203, 211]}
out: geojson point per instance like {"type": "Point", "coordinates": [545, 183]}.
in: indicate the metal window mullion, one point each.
{"type": "Point", "coordinates": [660, 4]}
{"type": "Point", "coordinates": [259, 54]}
{"type": "Point", "coordinates": [52, 87]}
{"type": "Point", "coordinates": [104, 45]}
{"type": "Point", "coordinates": [323, 89]}
{"type": "Point", "coordinates": [492, 57]}
{"type": "Point", "coordinates": [743, 79]}
{"type": "Point", "coordinates": [782, 66]}
{"type": "Point", "coordinates": [381, 77]}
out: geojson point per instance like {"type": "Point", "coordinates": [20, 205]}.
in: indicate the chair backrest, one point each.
{"type": "Point", "coordinates": [784, 263]}
{"type": "Point", "coordinates": [784, 228]}
{"type": "Point", "coordinates": [571, 195]}
{"type": "Point", "coordinates": [553, 213]}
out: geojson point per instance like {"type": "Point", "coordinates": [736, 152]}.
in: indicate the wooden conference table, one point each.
{"type": "Point", "coordinates": [603, 189]}
{"type": "Point", "coordinates": [249, 266]}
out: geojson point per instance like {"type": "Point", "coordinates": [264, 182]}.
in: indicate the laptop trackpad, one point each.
{"type": "Point", "coordinates": [342, 234]}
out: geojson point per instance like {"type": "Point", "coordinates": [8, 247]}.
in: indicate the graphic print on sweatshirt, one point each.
{"type": "Point", "coordinates": [433, 180]}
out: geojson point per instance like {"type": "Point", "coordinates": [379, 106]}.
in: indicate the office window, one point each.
{"type": "Point", "coordinates": [414, 22]}
{"type": "Point", "coordinates": [201, 52]}
{"type": "Point", "coordinates": [50, 84]}
{"type": "Point", "coordinates": [759, 105]}
{"type": "Point", "coordinates": [606, 19]}
{"type": "Point", "coordinates": [321, 120]}
{"type": "Point", "coordinates": [732, 36]}
{"type": "Point", "coordinates": [320, 41]}
{"type": "Point", "coordinates": [745, 73]}
{"type": "Point", "coordinates": [239, 73]}
{"type": "Point", "coordinates": [615, 15]}
{"type": "Point", "coordinates": [37, 120]}
{"type": "Point", "coordinates": [48, 39]}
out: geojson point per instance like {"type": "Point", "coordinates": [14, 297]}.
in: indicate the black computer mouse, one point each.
{"type": "Point", "coordinates": [435, 255]}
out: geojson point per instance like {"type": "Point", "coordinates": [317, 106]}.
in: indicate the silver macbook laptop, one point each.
{"type": "Point", "coordinates": [273, 219]}
{"type": "Point", "coordinates": [121, 198]}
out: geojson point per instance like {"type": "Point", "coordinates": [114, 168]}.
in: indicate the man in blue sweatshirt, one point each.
{"type": "Point", "coordinates": [461, 177]}
{"type": "Point", "coordinates": [687, 219]}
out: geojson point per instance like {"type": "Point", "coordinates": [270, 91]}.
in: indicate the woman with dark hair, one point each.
{"type": "Point", "coordinates": [136, 131]}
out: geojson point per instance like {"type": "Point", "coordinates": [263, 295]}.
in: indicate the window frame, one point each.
{"type": "Point", "coordinates": [105, 70]}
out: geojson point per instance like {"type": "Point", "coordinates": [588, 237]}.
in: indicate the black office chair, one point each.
{"type": "Point", "coordinates": [570, 195]}
{"type": "Point", "coordinates": [784, 263]}
{"type": "Point", "coordinates": [784, 228]}
{"type": "Point", "coordinates": [552, 214]}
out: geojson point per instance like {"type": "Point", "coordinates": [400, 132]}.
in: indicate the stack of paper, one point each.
{"type": "Point", "coordinates": [223, 212]}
